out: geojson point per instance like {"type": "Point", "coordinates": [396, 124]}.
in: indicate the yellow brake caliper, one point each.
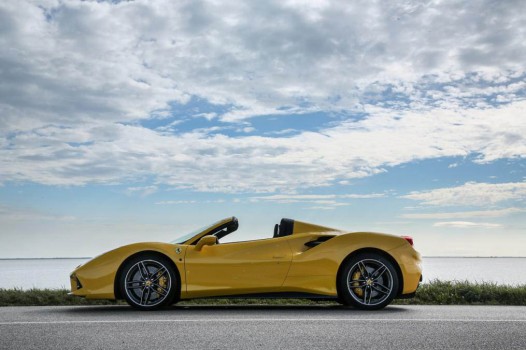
{"type": "Point", "coordinates": [162, 283]}
{"type": "Point", "coordinates": [358, 291]}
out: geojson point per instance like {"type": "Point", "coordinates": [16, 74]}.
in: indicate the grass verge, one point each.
{"type": "Point", "coordinates": [465, 293]}
{"type": "Point", "coordinates": [433, 293]}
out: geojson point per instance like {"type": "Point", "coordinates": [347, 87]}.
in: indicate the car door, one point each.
{"type": "Point", "coordinates": [237, 268]}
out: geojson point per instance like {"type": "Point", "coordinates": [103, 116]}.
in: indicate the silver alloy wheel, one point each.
{"type": "Point", "coordinates": [147, 283]}
{"type": "Point", "coordinates": [370, 282]}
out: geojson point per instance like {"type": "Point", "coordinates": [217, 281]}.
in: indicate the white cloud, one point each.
{"type": "Point", "coordinates": [113, 153]}
{"type": "Point", "coordinates": [321, 207]}
{"type": "Point", "coordinates": [247, 129]}
{"type": "Point", "coordinates": [207, 116]}
{"type": "Point", "coordinates": [319, 201]}
{"type": "Point", "coordinates": [282, 132]}
{"type": "Point", "coordinates": [466, 224]}
{"type": "Point", "coordinates": [472, 194]}
{"type": "Point", "coordinates": [316, 197]}
{"type": "Point", "coordinates": [176, 202]}
{"type": "Point", "coordinates": [465, 214]}
{"type": "Point", "coordinates": [143, 191]}
{"type": "Point", "coordinates": [187, 201]}
{"type": "Point", "coordinates": [78, 77]}
{"type": "Point", "coordinates": [78, 61]}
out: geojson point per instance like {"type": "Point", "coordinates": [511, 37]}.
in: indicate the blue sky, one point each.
{"type": "Point", "coordinates": [139, 121]}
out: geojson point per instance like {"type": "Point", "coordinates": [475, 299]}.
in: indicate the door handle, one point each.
{"type": "Point", "coordinates": [278, 256]}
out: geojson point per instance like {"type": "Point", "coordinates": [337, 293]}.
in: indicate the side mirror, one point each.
{"type": "Point", "coordinates": [206, 240]}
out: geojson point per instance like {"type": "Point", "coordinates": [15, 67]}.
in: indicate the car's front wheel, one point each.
{"type": "Point", "coordinates": [369, 281]}
{"type": "Point", "coordinates": [148, 282]}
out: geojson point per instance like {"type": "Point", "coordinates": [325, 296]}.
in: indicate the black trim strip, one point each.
{"type": "Point", "coordinates": [406, 296]}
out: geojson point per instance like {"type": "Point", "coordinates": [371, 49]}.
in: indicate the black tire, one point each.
{"type": "Point", "coordinates": [368, 281]}
{"type": "Point", "coordinates": [148, 282]}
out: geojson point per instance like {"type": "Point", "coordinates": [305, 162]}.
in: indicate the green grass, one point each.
{"type": "Point", "coordinates": [465, 293]}
{"type": "Point", "coordinates": [41, 297]}
{"type": "Point", "coordinates": [434, 293]}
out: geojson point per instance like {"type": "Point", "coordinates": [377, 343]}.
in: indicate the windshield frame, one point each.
{"type": "Point", "coordinates": [196, 235]}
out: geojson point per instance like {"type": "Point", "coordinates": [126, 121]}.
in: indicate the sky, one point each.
{"type": "Point", "coordinates": [128, 121]}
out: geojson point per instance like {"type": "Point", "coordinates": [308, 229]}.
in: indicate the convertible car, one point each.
{"type": "Point", "coordinates": [301, 260]}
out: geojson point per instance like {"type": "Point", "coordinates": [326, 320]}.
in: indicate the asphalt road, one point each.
{"type": "Point", "coordinates": [265, 327]}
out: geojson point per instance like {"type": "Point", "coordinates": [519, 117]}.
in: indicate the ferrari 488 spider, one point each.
{"type": "Point", "coordinates": [301, 260]}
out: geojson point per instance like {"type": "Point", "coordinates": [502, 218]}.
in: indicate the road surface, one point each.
{"type": "Point", "coordinates": [263, 327]}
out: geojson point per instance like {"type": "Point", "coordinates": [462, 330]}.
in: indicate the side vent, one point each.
{"type": "Point", "coordinates": [318, 241]}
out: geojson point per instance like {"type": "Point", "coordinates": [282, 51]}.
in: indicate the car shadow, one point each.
{"type": "Point", "coordinates": [237, 309]}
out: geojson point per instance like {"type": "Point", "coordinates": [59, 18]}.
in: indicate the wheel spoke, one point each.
{"type": "Point", "coordinates": [357, 280]}
{"type": "Point", "coordinates": [381, 288]}
{"type": "Point", "coordinates": [145, 296]}
{"type": "Point", "coordinates": [143, 270]}
{"type": "Point", "coordinates": [366, 292]}
{"type": "Point", "coordinates": [379, 272]}
{"type": "Point", "coordinates": [363, 269]}
{"type": "Point", "coordinates": [134, 284]}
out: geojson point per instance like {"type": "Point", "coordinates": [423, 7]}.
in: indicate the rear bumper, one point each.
{"type": "Point", "coordinates": [409, 295]}
{"type": "Point", "coordinates": [410, 264]}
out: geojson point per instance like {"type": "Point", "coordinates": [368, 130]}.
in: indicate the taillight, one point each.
{"type": "Point", "coordinates": [408, 239]}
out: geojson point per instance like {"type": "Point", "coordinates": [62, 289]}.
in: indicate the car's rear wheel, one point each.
{"type": "Point", "coordinates": [368, 281]}
{"type": "Point", "coordinates": [148, 282]}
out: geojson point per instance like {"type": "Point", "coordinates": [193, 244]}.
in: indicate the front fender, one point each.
{"type": "Point", "coordinates": [97, 276]}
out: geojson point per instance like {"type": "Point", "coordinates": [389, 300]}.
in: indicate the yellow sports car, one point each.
{"type": "Point", "coordinates": [301, 260]}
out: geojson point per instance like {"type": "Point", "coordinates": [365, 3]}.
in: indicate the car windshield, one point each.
{"type": "Point", "coordinates": [187, 236]}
